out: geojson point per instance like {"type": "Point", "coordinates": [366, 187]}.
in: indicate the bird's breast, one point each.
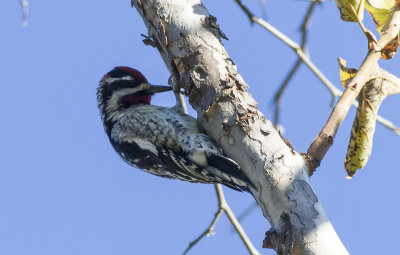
{"type": "Point", "coordinates": [164, 127]}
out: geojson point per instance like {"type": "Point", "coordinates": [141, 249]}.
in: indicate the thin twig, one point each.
{"type": "Point", "coordinates": [246, 11]}
{"type": "Point", "coordinates": [224, 207]}
{"type": "Point", "coordinates": [24, 6]}
{"type": "Point", "coordinates": [263, 9]}
{"type": "Point", "coordinates": [206, 232]}
{"type": "Point", "coordinates": [246, 212]}
{"type": "Point", "coordinates": [306, 22]}
{"type": "Point", "coordinates": [279, 93]}
{"type": "Point", "coordinates": [324, 140]}
{"type": "Point", "coordinates": [294, 46]}
{"type": "Point", "coordinates": [180, 101]}
{"type": "Point", "coordinates": [232, 218]}
{"type": "Point", "coordinates": [332, 88]}
{"type": "Point", "coordinates": [385, 122]}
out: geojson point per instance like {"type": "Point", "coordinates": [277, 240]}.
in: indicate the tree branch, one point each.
{"type": "Point", "coordinates": [210, 228]}
{"type": "Point", "coordinates": [24, 6]}
{"type": "Point", "coordinates": [293, 70]}
{"type": "Point", "coordinates": [224, 207]}
{"type": "Point", "coordinates": [324, 140]}
{"type": "Point", "coordinates": [232, 218]}
{"type": "Point", "coordinates": [294, 46]}
{"type": "Point", "coordinates": [189, 39]}
{"type": "Point", "coordinates": [332, 88]}
{"type": "Point", "coordinates": [279, 93]}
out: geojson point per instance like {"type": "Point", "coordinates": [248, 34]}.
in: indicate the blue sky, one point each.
{"type": "Point", "coordinates": [63, 190]}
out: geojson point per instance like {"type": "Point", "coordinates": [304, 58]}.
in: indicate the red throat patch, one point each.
{"type": "Point", "coordinates": [137, 99]}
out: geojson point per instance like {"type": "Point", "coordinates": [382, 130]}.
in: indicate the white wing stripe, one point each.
{"type": "Point", "coordinates": [145, 145]}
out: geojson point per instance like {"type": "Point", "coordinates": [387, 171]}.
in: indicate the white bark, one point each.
{"type": "Point", "coordinates": [188, 39]}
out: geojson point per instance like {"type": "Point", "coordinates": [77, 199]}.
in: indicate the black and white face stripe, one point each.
{"type": "Point", "coordinates": [112, 103]}
{"type": "Point", "coordinates": [119, 78]}
{"type": "Point", "coordinates": [111, 80]}
{"type": "Point", "coordinates": [119, 82]}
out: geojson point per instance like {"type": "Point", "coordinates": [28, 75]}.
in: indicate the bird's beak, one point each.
{"type": "Point", "coordinates": [158, 88]}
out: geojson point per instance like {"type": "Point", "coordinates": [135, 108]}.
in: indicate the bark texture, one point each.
{"type": "Point", "coordinates": [189, 40]}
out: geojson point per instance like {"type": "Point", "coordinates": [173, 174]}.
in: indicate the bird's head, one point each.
{"type": "Point", "coordinates": [122, 88]}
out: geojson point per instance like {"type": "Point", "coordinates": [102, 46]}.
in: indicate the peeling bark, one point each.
{"type": "Point", "coordinates": [189, 40]}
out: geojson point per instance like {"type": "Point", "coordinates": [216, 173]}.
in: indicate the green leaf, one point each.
{"type": "Point", "coordinates": [380, 11]}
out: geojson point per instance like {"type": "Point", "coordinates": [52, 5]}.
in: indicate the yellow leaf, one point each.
{"type": "Point", "coordinates": [345, 73]}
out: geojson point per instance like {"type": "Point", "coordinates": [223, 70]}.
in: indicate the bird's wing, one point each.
{"type": "Point", "coordinates": [202, 150]}
{"type": "Point", "coordinates": [143, 155]}
{"type": "Point", "coordinates": [157, 150]}
{"type": "Point", "coordinates": [171, 164]}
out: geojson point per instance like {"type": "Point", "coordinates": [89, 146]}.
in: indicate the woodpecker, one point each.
{"type": "Point", "coordinates": [159, 140]}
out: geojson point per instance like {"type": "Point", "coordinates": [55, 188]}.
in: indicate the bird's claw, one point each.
{"type": "Point", "coordinates": [176, 85]}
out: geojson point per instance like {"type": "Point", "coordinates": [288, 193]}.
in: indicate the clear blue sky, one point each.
{"type": "Point", "coordinates": [64, 191]}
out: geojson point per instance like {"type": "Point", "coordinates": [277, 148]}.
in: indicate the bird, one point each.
{"type": "Point", "coordinates": [163, 141]}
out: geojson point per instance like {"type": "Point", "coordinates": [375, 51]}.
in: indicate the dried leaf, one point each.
{"type": "Point", "coordinates": [362, 132]}
{"type": "Point", "coordinates": [390, 49]}
{"type": "Point", "coordinates": [347, 8]}
{"type": "Point", "coordinates": [360, 145]}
